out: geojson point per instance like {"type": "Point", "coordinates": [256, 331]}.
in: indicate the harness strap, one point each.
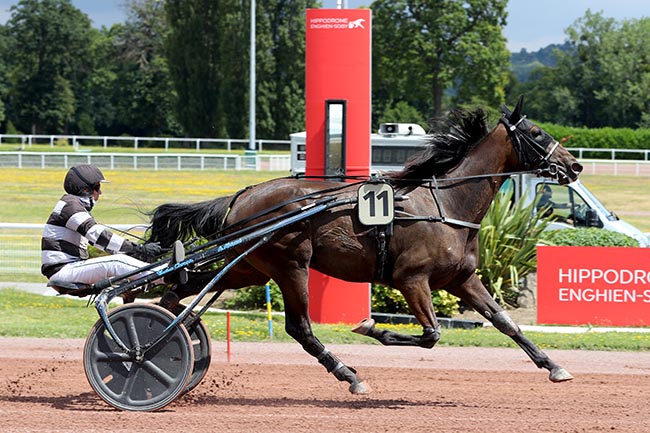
{"type": "Point", "coordinates": [435, 190]}
{"type": "Point", "coordinates": [273, 208]}
{"type": "Point", "coordinates": [434, 219]}
{"type": "Point", "coordinates": [456, 222]}
{"type": "Point", "coordinates": [382, 235]}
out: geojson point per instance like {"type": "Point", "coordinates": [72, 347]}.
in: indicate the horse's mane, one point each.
{"type": "Point", "coordinates": [448, 143]}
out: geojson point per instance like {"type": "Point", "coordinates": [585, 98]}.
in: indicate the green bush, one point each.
{"type": "Point", "coordinates": [254, 298]}
{"type": "Point", "coordinates": [588, 237]}
{"type": "Point", "coordinates": [383, 300]}
{"type": "Point", "coordinates": [507, 245]}
{"type": "Point", "coordinates": [390, 301]}
{"type": "Point", "coordinates": [607, 138]}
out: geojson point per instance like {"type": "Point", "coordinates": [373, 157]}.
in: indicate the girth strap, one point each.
{"type": "Point", "coordinates": [382, 235]}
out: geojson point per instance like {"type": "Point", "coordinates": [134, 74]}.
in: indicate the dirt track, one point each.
{"type": "Point", "coordinates": [276, 387]}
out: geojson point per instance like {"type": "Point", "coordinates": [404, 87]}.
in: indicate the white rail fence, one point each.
{"type": "Point", "coordinates": [615, 168]}
{"type": "Point", "coordinates": [266, 162]}
{"type": "Point", "coordinates": [77, 141]}
{"type": "Point", "coordinates": [20, 250]}
{"type": "Point", "coordinates": [167, 161]}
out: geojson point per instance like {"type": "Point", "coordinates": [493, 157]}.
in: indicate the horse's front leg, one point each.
{"type": "Point", "coordinates": [298, 326]}
{"type": "Point", "coordinates": [418, 297]}
{"type": "Point", "coordinates": [474, 293]}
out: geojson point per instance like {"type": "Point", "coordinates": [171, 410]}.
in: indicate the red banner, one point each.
{"type": "Point", "coordinates": [338, 68]}
{"type": "Point", "coordinates": [607, 286]}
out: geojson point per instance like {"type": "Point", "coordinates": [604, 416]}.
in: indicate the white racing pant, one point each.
{"type": "Point", "coordinates": [99, 268]}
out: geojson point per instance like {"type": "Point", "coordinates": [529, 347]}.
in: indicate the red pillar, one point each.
{"type": "Point", "coordinates": [338, 68]}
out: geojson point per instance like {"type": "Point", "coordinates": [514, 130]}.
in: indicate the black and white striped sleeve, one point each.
{"type": "Point", "coordinates": [97, 234]}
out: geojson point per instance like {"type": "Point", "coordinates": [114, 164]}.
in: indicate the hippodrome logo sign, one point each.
{"type": "Point", "coordinates": [336, 23]}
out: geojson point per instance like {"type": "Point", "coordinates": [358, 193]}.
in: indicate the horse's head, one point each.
{"type": "Point", "coordinates": [538, 150]}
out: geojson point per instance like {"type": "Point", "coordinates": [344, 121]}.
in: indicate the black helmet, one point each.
{"type": "Point", "coordinates": [82, 179]}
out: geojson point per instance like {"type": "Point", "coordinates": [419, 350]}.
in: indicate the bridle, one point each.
{"type": "Point", "coordinates": [531, 153]}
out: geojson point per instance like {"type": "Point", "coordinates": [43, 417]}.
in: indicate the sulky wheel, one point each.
{"type": "Point", "coordinates": [126, 382]}
{"type": "Point", "coordinates": [200, 338]}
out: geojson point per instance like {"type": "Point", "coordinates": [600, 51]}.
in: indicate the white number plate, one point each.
{"type": "Point", "coordinates": [376, 204]}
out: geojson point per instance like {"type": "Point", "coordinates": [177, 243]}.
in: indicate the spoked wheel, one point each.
{"type": "Point", "coordinates": [200, 338]}
{"type": "Point", "coordinates": [151, 382]}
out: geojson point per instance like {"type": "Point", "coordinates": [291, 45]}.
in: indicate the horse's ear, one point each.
{"type": "Point", "coordinates": [506, 111]}
{"type": "Point", "coordinates": [516, 114]}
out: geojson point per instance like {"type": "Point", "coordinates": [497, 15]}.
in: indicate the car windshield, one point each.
{"type": "Point", "coordinates": [590, 197]}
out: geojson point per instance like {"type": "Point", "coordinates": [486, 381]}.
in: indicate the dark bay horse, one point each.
{"type": "Point", "coordinates": [445, 191]}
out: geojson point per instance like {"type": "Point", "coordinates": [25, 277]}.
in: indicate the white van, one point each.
{"type": "Point", "coordinates": [572, 205]}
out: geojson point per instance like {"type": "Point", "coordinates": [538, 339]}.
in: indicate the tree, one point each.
{"type": "Point", "coordinates": [424, 52]}
{"type": "Point", "coordinates": [625, 61]}
{"type": "Point", "coordinates": [285, 85]}
{"type": "Point", "coordinates": [198, 31]}
{"type": "Point", "coordinates": [601, 80]}
{"type": "Point", "coordinates": [3, 72]}
{"type": "Point", "coordinates": [49, 63]}
{"type": "Point", "coordinates": [580, 68]}
{"type": "Point", "coordinates": [143, 92]}
{"type": "Point", "coordinates": [208, 52]}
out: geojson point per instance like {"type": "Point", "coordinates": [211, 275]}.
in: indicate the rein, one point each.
{"type": "Point", "coordinates": [273, 208]}
{"type": "Point", "coordinates": [434, 192]}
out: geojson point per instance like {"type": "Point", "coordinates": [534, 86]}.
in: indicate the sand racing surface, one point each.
{"type": "Point", "coordinates": [276, 387]}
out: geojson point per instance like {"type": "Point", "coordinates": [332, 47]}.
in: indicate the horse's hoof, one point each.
{"type": "Point", "coordinates": [359, 388]}
{"type": "Point", "coordinates": [559, 374]}
{"type": "Point", "coordinates": [364, 326]}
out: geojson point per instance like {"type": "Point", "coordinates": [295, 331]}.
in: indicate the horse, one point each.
{"type": "Point", "coordinates": [441, 195]}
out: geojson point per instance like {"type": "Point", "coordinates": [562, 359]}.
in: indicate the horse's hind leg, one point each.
{"type": "Point", "coordinates": [418, 297]}
{"type": "Point", "coordinates": [476, 295]}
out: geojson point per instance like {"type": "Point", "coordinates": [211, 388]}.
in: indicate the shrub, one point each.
{"type": "Point", "coordinates": [383, 300]}
{"type": "Point", "coordinates": [254, 298]}
{"type": "Point", "coordinates": [507, 245]}
{"type": "Point", "coordinates": [588, 237]}
{"type": "Point", "coordinates": [608, 138]}
{"type": "Point", "coordinates": [388, 300]}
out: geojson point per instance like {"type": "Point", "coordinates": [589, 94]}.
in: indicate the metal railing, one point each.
{"type": "Point", "coordinates": [77, 141]}
{"type": "Point", "coordinates": [615, 168]}
{"type": "Point", "coordinates": [610, 154]}
{"type": "Point", "coordinates": [150, 161]}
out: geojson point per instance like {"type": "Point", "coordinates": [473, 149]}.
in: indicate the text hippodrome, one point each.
{"type": "Point", "coordinates": [329, 23]}
{"type": "Point", "coordinates": [638, 278]}
{"type": "Point", "coordinates": [626, 277]}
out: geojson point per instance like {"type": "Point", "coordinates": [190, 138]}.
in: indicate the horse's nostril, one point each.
{"type": "Point", "coordinates": [576, 167]}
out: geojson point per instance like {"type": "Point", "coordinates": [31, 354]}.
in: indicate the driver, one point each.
{"type": "Point", "coordinates": [546, 205]}
{"type": "Point", "coordinates": [71, 227]}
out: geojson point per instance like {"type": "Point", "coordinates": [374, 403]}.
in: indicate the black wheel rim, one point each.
{"type": "Point", "coordinates": [200, 338]}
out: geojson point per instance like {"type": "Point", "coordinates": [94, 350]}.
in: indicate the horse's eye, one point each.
{"type": "Point", "coordinates": [536, 131]}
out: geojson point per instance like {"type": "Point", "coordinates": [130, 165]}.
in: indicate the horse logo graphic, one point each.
{"type": "Point", "coordinates": [356, 24]}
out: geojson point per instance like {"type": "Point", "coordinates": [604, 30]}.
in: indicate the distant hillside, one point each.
{"type": "Point", "coordinates": [524, 62]}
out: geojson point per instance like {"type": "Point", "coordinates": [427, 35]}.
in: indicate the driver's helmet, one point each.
{"type": "Point", "coordinates": [82, 179]}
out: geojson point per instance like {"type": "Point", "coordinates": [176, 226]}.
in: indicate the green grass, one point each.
{"type": "Point", "coordinates": [28, 315]}
{"type": "Point", "coordinates": [28, 195]}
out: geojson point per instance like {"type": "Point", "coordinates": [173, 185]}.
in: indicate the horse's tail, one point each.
{"type": "Point", "coordinates": [173, 221]}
